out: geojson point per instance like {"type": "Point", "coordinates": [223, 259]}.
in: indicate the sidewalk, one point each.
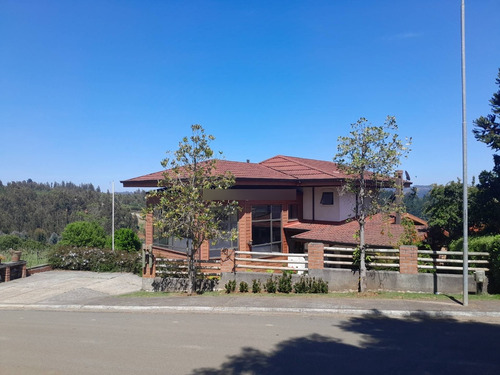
{"type": "Point", "coordinates": [88, 291]}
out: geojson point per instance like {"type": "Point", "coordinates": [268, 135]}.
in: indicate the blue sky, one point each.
{"type": "Point", "coordinates": [98, 91]}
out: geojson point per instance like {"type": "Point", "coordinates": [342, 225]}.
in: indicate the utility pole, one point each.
{"type": "Point", "coordinates": [464, 161]}
{"type": "Point", "coordinates": [113, 216]}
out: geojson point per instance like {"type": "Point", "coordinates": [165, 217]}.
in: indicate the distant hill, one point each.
{"type": "Point", "coordinates": [422, 190]}
{"type": "Point", "coordinates": [30, 209]}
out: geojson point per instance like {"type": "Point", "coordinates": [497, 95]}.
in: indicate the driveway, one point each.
{"type": "Point", "coordinates": [67, 287]}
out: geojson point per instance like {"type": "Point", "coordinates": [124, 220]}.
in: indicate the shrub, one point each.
{"type": "Point", "coordinates": [243, 287]}
{"type": "Point", "coordinates": [490, 244]}
{"type": "Point", "coordinates": [94, 259]}
{"type": "Point", "coordinates": [270, 285]}
{"type": "Point", "coordinates": [308, 285]}
{"type": "Point", "coordinates": [9, 241]}
{"type": "Point", "coordinates": [230, 286]}
{"type": "Point", "coordinates": [285, 283]}
{"type": "Point", "coordinates": [83, 234]}
{"type": "Point", "coordinates": [256, 286]}
{"type": "Point", "coordinates": [125, 239]}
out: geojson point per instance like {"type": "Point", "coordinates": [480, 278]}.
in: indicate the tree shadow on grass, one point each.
{"type": "Point", "coordinates": [419, 344]}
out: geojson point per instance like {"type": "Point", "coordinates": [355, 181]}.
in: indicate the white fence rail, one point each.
{"type": "Point", "coordinates": [452, 260]}
{"type": "Point", "coordinates": [445, 261]}
{"type": "Point", "coordinates": [342, 257]}
{"type": "Point", "coordinates": [271, 261]}
{"type": "Point", "coordinates": [179, 267]}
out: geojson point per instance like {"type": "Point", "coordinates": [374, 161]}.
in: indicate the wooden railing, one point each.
{"type": "Point", "coordinates": [342, 257]}
{"type": "Point", "coordinates": [452, 260]}
{"type": "Point", "coordinates": [179, 267]}
{"type": "Point", "coordinates": [252, 260]}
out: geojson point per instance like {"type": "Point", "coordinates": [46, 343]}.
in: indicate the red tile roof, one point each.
{"type": "Point", "coordinates": [278, 169]}
{"type": "Point", "coordinates": [379, 231]}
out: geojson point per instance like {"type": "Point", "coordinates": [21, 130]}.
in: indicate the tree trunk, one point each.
{"type": "Point", "coordinates": [362, 257]}
{"type": "Point", "coordinates": [191, 271]}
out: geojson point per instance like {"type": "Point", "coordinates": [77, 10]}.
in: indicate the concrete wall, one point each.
{"type": "Point", "coordinates": [346, 280]}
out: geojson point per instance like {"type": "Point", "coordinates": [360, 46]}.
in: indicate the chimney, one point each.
{"type": "Point", "coordinates": [248, 160]}
{"type": "Point", "coordinates": [399, 195]}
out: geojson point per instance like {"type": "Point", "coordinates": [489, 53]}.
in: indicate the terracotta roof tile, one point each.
{"type": "Point", "coordinates": [378, 232]}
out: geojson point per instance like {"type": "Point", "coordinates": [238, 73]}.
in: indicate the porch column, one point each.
{"type": "Point", "coordinates": [316, 251]}
{"type": "Point", "coordinates": [408, 259]}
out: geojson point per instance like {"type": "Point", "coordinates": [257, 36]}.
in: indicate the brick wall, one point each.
{"type": "Point", "coordinates": [408, 259]}
{"type": "Point", "coordinates": [316, 253]}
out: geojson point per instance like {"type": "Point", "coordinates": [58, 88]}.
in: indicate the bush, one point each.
{"type": "Point", "coordinates": [243, 287]}
{"type": "Point", "coordinates": [94, 259]}
{"type": "Point", "coordinates": [83, 234]}
{"type": "Point", "coordinates": [285, 283]}
{"type": "Point", "coordinates": [9, 241]}
{"type": "Point", "coordinates": [308, 285]}
{"type": "Point", "coordinates": [230, 286]}
{"type": "Point", "coordinates": [126, 239]}
{"type": "Point", "coordinates": [270, 285]}
{"type": "Point", "coordinates": [256, 287]}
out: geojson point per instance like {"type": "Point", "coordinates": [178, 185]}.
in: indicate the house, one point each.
{"type": "Point", "coordinates": [285, 203]}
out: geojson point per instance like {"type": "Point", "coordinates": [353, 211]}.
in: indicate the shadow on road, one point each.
{"type": "Point", "coordinates": [416, 345]}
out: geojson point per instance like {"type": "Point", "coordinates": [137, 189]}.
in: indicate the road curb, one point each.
{"type": "Point", "coordinates": [254, 310]}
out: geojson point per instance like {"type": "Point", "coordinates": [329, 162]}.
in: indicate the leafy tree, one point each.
{"type": "Point", "coordinates": [488, 128]}
{"type": "Point", "coordinates": [83, 234]}
{"type": "Point", "coordinates": [369, 155]}
{"type": "Point", "coordinates": [126, 239]}
{"type": "Point", "coordinates": [184, 214]}
{"type": "Point", "coordinates": [486, 215]}
{"type": "Point", "coordinates": [415, 204]}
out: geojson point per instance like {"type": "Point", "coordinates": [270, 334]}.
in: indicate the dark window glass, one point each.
{"type": "Point", "coordinates": [293, 211]}
{"type": "Point", "coordinates": [266, 228]}
{"type": "Point", "coordinates": [327, 198]}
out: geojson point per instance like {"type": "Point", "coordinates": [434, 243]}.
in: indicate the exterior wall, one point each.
{"type": "Point", "coordinates": [342, 209]}
{"type": "Point", "coordinates": [341, 280]}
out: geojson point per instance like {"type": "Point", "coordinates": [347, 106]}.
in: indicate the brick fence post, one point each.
{"type": "Point", "coordinates": [227, 261]}
{"type": "Point", "coordinates": [149, 229]}
{"type": "Point", "coordinates": [316, 251]}
{"type": "Point", "coordinates": [408, 259]}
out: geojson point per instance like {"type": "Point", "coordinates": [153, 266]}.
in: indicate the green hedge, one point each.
{"type": "Point", "coordinates": [95, 259]}
{"type": "Point", "coordinates": [490, 244]}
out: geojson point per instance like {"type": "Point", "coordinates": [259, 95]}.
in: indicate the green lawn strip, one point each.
{"type": "Point", "coordinates": [347, 295]}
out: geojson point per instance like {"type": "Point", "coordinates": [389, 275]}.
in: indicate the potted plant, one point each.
{"type": "Point", "coordinates": [15, 255]}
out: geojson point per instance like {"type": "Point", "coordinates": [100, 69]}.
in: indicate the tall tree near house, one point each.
{"type": "Point", "coordinates": [183, 213]}
{"type": "Point", "coordinates": [370, 155]}
{"type": "Point", "coordinates": [487, 129]}
{"type": "Point", "coordinates": [485, 214]}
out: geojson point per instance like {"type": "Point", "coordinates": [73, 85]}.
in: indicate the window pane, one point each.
{"type": "Point", "coordinates": [327, 198]}
{"type": "Point", "coordinates": [261, 233]}
{"type": "Point", "coordinates": [293, 211]}
{"type": "Point", "coordinates": [276, 212]}
{"type": "Point", "coordinates": [276, 231]}
{"type": "Point", "coordinates": [262, 212]}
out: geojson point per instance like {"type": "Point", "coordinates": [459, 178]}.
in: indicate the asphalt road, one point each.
{"type": "Point", "coordinates": [57, 342]}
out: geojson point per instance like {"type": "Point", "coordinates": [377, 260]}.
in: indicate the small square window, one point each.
{"type": "Point", "coordinates": [327, 198]}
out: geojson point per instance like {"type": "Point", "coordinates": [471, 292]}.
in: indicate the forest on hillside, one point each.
{"type": "Point", "coordinates": [41, 211]}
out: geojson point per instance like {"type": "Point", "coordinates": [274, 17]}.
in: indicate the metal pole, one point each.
{"type": "Point", "coordinates": [464, 161]}
{"type": "Point", "coordinates": [113, 216]}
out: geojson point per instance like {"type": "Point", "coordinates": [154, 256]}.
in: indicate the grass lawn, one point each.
{"type": "Point", "coordinates": [372, 295]}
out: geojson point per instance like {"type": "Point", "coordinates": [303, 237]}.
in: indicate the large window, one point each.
{"type": "Point", "coordinates": [266, 228]}
{"type": "Point", "coordinates": [228, 225]}
{"type": "Point", "coordinates": [171, 243]}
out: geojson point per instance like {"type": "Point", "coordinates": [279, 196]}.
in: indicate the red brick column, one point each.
{"type": "Point", "coordinates": [149, 229]}
{"type": "Point", "coordinates": [227, 260]}
{"type": "Point", "coordinates": [316, 251]}
{"type": "Point", "coordinates": [408, 259]}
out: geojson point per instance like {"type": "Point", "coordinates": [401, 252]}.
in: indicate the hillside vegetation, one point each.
{"type": "Point", "coordinates": [41, 211]}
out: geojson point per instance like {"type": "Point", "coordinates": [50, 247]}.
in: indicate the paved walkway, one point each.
{"type": "Point", "coordinates": [89, 291]}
